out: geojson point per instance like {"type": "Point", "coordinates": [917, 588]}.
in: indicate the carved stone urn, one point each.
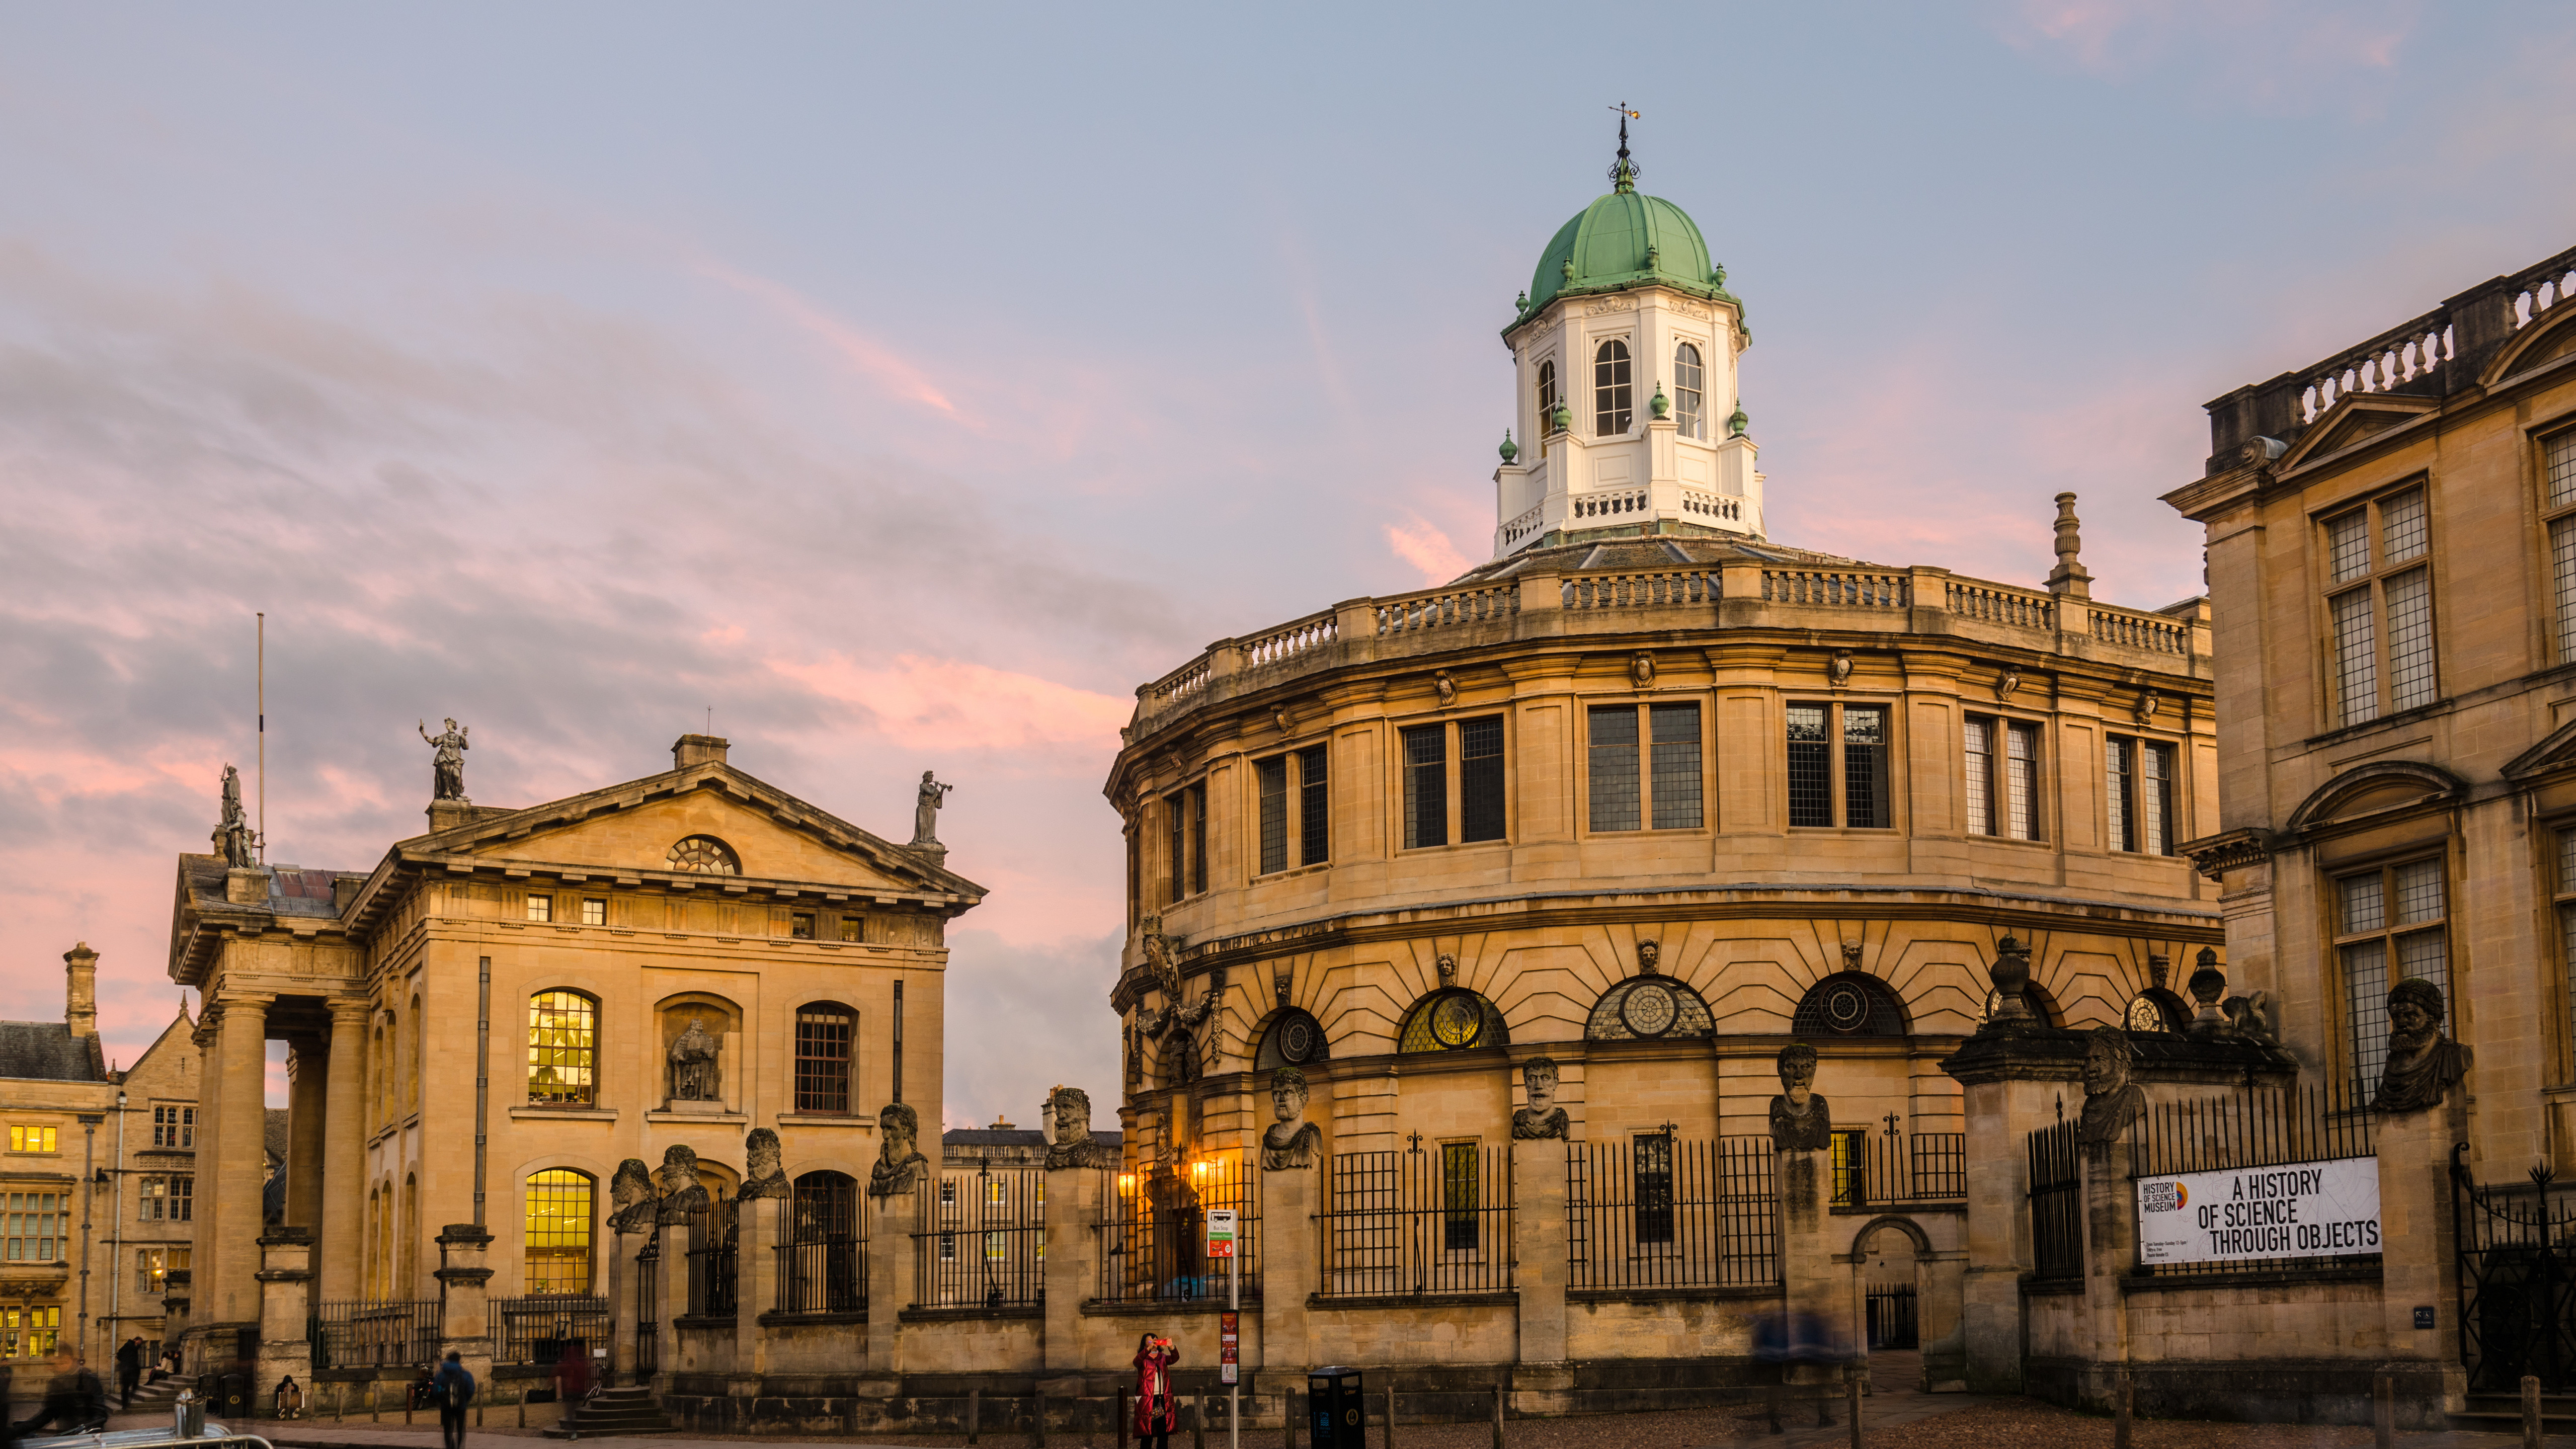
{"type": "Point", "coordinates": [2011, 976]}
{"type": "Point", "coordinates": [2207, 985]}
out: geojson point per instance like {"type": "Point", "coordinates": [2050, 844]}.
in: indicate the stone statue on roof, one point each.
{"type": "Point", "coordinates": [925, 809]}
{"type": "Point", "coordinates": [447, 767]}
{"type": "Point", "coordinates": [233, 837]}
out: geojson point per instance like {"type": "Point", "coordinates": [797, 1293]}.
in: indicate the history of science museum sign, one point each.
{"type": "Point", "coordinates": [2292, 1210]}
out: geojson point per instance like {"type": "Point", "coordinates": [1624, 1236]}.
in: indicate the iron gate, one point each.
{"type": "Point", "coordinates": [2517, 1281]}
{"type": "Point", "coordinates": [1891, 1317]}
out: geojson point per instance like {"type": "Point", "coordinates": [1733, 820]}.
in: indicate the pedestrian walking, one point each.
{"type": "Point", "coordinates": [75, 1401]}
{"type": "Point", "coordinates": [1158, 1412]}
{"type": "Point", "coordinates": [129, 1370]}
{"type": "Point", "coordinates": [452, 1388]}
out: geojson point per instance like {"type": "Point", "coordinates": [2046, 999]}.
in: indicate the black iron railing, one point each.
{"type": "Point", "coordinates": [648, 1305]}
{"type": "Point", "coordinates": [394, 1334]}
{"type": "Point", "coordinates": [2056, 1203]}
{"type": "Point", "coordinates": [1153, 1240]}
{"type": "Point", "coordinates": [544, 1330]}
{"type": "Point", "coordinates": [715, 1276]}
{"type": "Point", "coordinates": [826, 1276]}
{"type": "Point", "coordinates": [2259, 1127]}
{"type": "Point", "coordinates": [1425, 1220]}
{"type": "Point", "coordinates": [1873, 1169]}
{"type": "Point", "coordinates": [982, 1242]}
{"type": "Point", "coordinates": [2517, 1247]}
{"type": "Point", "coordinates": [1662, 1212]}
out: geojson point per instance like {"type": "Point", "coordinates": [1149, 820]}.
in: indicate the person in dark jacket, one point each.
{"type": "Point", "coordinates": [453, 1388]}
{"type": "Point", "coordinates": [75, 1401]}
{"type": "Point", "coordinates": [129, 1370]}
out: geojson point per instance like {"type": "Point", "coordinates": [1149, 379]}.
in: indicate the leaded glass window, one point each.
{"type": "Point", "coordinates": [1480, 779]}
{"type": "Point", "coordinates": [824, 1032]}
{"type": "Point", "coordinates": [558, 1235]}
{"type": "Point", "coordinates": [2141, 795]}
{"type": "Point", "coordinates": [1615, 785]}
{"type": "Point", "coordinates": [1272, 778]}
{"type": "Point", "coordinates": [1314, 807]}
{"type": "Point", "coordinates": [1612, 408]}
{"type": "Point", "coordinates": [563, 1048]}
{"type": "Point", "coordinates": [2390, 926]}
{"type": "Point", "coordinates": [2380, 606]}
{"type": "Point", "coordinates": [704, 855]}
{"type": "Point", "coordinates": [1426, 786]}
{"type": "Point", "coordinates": [1690, 411]}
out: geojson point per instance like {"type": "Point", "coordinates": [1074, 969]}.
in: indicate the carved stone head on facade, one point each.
{"type": "Point", "coordinates": [1445, 687]}
{"type": "Point", "coordinates": [1801, 1120]}
{"type": "Point", "coordinates": [1851, 955]}
{"type": "Point", "coordinates": [899, 1165]}
{"type": "Point", "coordinates": [2111, 1100]}
{"type": "Point", "coordinates": [2422, 1063]}
{"type": "Point", "coordinates": [1542, 1118]}
{"type": "Point", "coordinates": [1280, 721]}
{"type": "Point", "coordinates": [1839, 668]}
{"type": "Point", "coordinates": [1448, 965]}
{"type": "Point", "coordinates": [2106, 1061]}
{"type": "Point", "coordinates": [1650, 955]}
{"type": "Point", "coordinates": [1283, 981]}
{"type": "Point", "coordinates": [1797, 1067]}
{"type": "Point", "coordinates": [763, 1175]}
{"type": "Point", "coordinates": [1070, 1111]}
{"type": "Point", "coordinates": [1290, 1141]}
{"type": "Point", "coordinates": [2008, 682]}
{"type": "Point", "coordinates": [1288, 1094]}
{"type": "Point", "coordinates": [1641, 670]}
{"type": "Point", "coordinates": [679, 1170]}
{"type": "Point", "coordinates": [2148, 704]}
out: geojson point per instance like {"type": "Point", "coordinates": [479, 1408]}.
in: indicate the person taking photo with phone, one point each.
{"type": "Point", "coordinates": [1158, 1411]}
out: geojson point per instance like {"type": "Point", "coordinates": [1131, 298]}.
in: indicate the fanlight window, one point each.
{"type": "Point", "coordinates": [1849, 1003]}
{"type": "Point", "coordinates": [1455, 1020]}
{"type": "Point", "coordinates": [1648, 1008]}
{"type": "Point", "coordinates": [1296, 1039]}
{"type": "Point", "coordinates": [704, 855]}
{"type": "Point", "coordinates": [2156, 1009]}
{"type": "Point", "coordinates": [1612, 408]}
{"type": "Point", "coordinates": [1689, 397]}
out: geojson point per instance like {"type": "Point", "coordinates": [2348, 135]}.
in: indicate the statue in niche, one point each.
{"type": "Point", "coordinates": [1290, 1141]}
{"type": "Point", "coordinates": [682, 1193]}
{"type": "Point", "coordinates": [695, 1076]}
{"type": "Point", "coordinates": [1068, 1131]}
{"type": "Point", "coordinates": [233, 837]}
{"type": "Point", "coordinates": [763, 1175]}
{"type": "Point", "coordinates": [632, 1199]}
{"type": "Point", "coordinates": [900, 1165]}
{"type": "Point", "coordinates": [2422, 1062]}
{"type": "Point", "coordinates": [1542, 1118]}
{"type": "Point", "coordinates": [1801, 1120]}
{"type": "Point", "coordinates": [2111, 1100]}
{"type": "Point", "coordinates": [925, 809]}
{"type": "Point", "coordinates": [447, 767]}
{"type": "Point", "coordinates": [1650, 953]}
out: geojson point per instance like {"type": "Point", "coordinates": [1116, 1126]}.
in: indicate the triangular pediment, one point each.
{"type": "Point", "coordinates": [2549, 337]}
{"type": "Point", "coordinates": [634, 831]}
{"type": "Point", "coordinates": [2370, 794]}
{"type": "Point", "coordinates": [2552, 755]}
{"type": "Point", "coordinates": [2355, 418]}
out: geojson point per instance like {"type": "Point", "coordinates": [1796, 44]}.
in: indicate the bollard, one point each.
{"type": "Point", "coordinates": [2530, 1411]}
{"type": "Point", "coordinates": [1122, 1416]}
{"type": "Point", "coordinates": [407, 1398]}
{"type": "Point", "coordinates": [974, 1413]}
{"type": "Point", "coordinates": [2124, 1407]}
{"type": "Point", "coordinates": [1498, 1414]}
{"type": "Point", "coordinates": [374, 1414]}
{"type": "Point", "coordinates": [2383, 1410]}
{"type": "Point", "coordinates": [1287, 1421]}
{"type": "Point", "coordinates": [1038, 1421]}
{"type": "Point", "coordinates": [1388, 1433]}
{"type": "Point", "coordinates": [1851, 1400]}
{"type": "Point", "coordinates": [1198, 1421]}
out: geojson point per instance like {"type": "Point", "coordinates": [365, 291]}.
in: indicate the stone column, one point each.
{"type": "Point", "coordinates": [757, 1222]}
{"type": "Point", "coordinates": [344, 1152]}
{"type": "Point", "coordinates": [241, 1105]}
{"type": "Point", "coordinates": [1290, 1270]}
{"type": "Point", "coordinates": [285, 1287]}
{"type": "Point", "coordinates": [208, 1226]}
{"type": "Point", "coordinates": [464, 1290]}
{"type": "Point", "coordinates": [2110, 1253]}
{"type": "Point", "coordinates": [891, 1275]}
{"type": "Point", "coordinates": [2419, 1263]}
{"type": "Point", "coordinates": [1816, 1286]}
{"type": "Point", "coordinates": [2013, 1075]}
{"type": "Point", "coordinates": [675, 1297]}
{"type": "Point", "coordinates": [1543, 1381]}
{"type": "Point", "coordinates": [1072, 1264]}
{"type": "Point", "coordinates": [308, 1077]}
{"type": "Point", "coordinates": [621, 1307]}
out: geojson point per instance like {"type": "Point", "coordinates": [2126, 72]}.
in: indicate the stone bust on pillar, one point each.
{"type": "Point", "coordinates": [764, 1176]}
{"type": "Point", "coordinates": [2111, 1100]}
{"type": "Point", "coordinates": [1290, 1140]}
{"type": "Point", "coordinates": [2422, 1062]}
{"type": "Point", "coordinates": [1801, 1120]}
{"type": "Point", "coordinates": [682, 1193]}
{"type": "Point", "coordinates": [1542, 1118]}
{"type": "Point", "coordinates": [900, 1165]}
{"type": "Point", "coordinates": [632, 1198]}
{"type": "Point", "coordinates": [1068, 1129]}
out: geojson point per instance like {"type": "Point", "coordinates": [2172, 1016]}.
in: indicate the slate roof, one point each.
{"type": "Point", "coordinates": [273, 1132]}
{"type": "Point", "coordinates": [293, 890]}
{"type": "Point", "coordinates": [47, 1051]}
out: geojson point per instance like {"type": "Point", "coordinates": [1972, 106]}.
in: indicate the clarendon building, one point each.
{"type": "Point", "coordinates": [2392, 563]}
{"type": "Point", "coordinates": [493, 1017]}
{"type": "Point", "coordinates": [1576, 844]}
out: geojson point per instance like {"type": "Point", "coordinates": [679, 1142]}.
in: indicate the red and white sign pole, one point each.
{"type": "Point", "coordinates": [1229, 1333]}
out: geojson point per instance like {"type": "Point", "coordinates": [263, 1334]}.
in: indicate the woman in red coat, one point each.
{"type": "Point", "coordinates": [1158, 1411]}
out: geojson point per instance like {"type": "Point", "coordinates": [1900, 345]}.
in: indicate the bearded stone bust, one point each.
{"type": "Point", "coordinates": [682, 1193]}
{"type": "Point", "coordinates": [2422, 1062]}
{"type": "Point", "coordinates": [1068, 1130]}
{"type": "Point", "coordinates": [1290, 1141]}
{"type": "Point", "coordinates": [764, 1177]}
{"type": "Point", "coordinates": [631, 1195]}
{"type": "Point", "coordinates": [2111, 1100]}
{"type": "Point", "coordinates": [1801, 1119]}
{"type": "Point", "coordinates": [900, 1165]}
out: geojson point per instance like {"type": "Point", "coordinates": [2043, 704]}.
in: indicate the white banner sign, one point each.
{"type": "Point", "coordinates": [2294, 1210]}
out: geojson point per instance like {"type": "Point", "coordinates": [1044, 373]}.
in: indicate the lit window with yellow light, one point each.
{"type": "Point", "coordinates": [558, 1240]}
{"type": "Point", "coordinates": [30, 1138]}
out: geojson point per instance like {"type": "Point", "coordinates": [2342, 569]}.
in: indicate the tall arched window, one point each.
{"type": "Point", "coordinates": [1612, 411]}
{"type": "Point", "coordinates": [558, 1242]}
{"type": "Point", "coordinates": [1547, 397]}
{"type": "Point", "coordinates": [824, 1031]}
{"type": "Point", "coordinates": [822, 1270]}
{"type": "Point", "coordinates": [1454, 1020]}
{"type": "Point", "coordinates": [407, 1237]}
{"type": "Point", "coordinates": [1689, 392]}
{"type": "Point", "coordinates": [563, 1049]}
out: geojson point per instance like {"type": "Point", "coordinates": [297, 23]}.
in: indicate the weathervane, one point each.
{"type": "Point", "coordinates": [1623, 172]}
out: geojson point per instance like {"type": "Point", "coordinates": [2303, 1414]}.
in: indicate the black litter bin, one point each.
{"type": "Point", "coordinates": [1336, 1418]}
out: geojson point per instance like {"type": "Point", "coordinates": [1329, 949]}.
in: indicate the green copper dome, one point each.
{"type": "Point", "coordinates": [1625, 239]}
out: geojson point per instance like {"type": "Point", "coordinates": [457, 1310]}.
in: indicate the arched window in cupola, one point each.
{"type": "Point", "coordinates": [1547, 397]}
{"type": "Point", "coordinates": [1690, 409]}
{"type": "Point", "coordinates": [1612, 407]}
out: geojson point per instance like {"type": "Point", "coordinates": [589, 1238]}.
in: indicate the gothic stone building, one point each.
{"type": "Point", "coordinates": [790, 964]}
{"type": "Point", "coordinates": [1652, 796]}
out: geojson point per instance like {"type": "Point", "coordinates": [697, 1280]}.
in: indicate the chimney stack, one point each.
{"type": "Point", "coordinates": [80, 990]}
{"type": "Point", "coordinates": [690, 750]}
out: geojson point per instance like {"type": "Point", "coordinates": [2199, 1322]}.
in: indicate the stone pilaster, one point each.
{"type": "Point", "coordinates": [2419, 1263]}
{"type": "Point", "coordinates": [465, 1302]}
{"type": "Point", "coordinates": [241, 1168]}
{"type": "Point", "coordinates": [2110, 1252]}
{"type": "Point", "coordinates": [2013, 1082]}
{"type": "Point", "coordinates": [1538, 1246]}
{"type": "Point", "coordinates": [675, 1298]}
{"type": "Point", "coordinates": [1072, 1261]}
{"type": "Point", "coordinates": [891, 1273]}
{"type": "Point", "coordinates": [1288, 1269]}
{"type": "Point", "coordinates": [621, 1308]}
{"type": "Point", "coordinates": [285, 1289]}
{"type": "Point", "coordinates": [757, 1221]}
{"type": "Point", "coordinates": [1816, 1284]}
{"type": "Point", "coordinates": [344, 1150]}
{"type": "Point", "coordinates": [306, 1072]}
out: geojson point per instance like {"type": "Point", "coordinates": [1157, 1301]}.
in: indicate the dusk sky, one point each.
{"type": "Point", "coordinates": [907, 384]}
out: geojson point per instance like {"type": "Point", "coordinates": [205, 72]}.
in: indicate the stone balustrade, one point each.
{"type": "Point", "coordinates": [1736, 595]}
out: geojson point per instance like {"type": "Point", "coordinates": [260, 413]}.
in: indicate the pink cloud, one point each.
{"type": "Point", "coordinates": [2258, 49]}
{"type": "Point", "coordinates": [898, 374]}
{"type": "Point", "coordinates": [1419, 543]}
{"type": "Point", "coordinates": [924, 702]}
